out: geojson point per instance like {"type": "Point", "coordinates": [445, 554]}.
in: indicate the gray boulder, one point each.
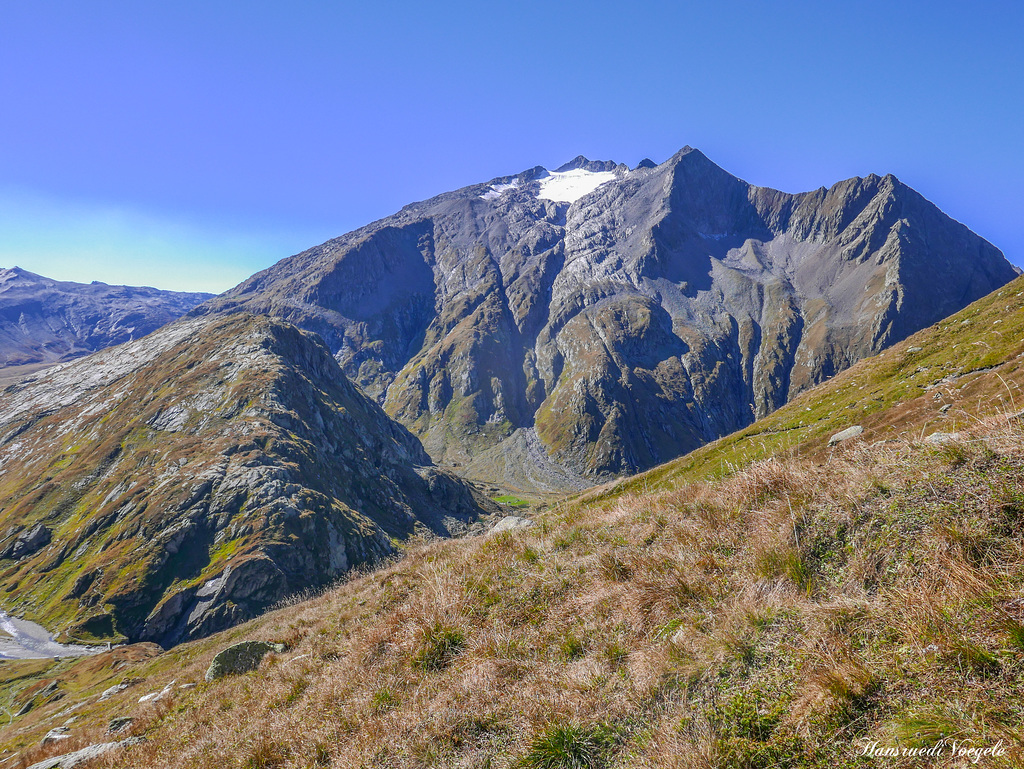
{"type": "Point", "coordinates": [80, 757]}
{"type": "Point", "coordinates": [115, 689]}
{"type": "Point", "coordinates": [240, 658]}
{"type": "Point", "coordinates": [845, 435]}
{"type": "Point", "coordinates": [511, 523]}
{"type": "Point", "coordinates": [56, 735]}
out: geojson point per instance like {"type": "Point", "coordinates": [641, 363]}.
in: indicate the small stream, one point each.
{"type": "Point", "coordinates": [29, 641]}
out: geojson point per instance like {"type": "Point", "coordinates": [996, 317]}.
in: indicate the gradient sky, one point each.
{"type": "Point", "coordinates": [188, 144]}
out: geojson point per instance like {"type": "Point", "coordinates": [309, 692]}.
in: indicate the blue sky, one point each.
{"type": "Point", "coordinates": [188, 144]}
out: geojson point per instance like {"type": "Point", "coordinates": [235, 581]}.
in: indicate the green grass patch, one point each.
{"type": "Point", "coordinates": [511, 501]}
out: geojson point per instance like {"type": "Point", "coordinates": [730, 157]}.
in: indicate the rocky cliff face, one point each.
{"type": "Point", "coordinates": [46, 321]}
{"type": "Point", "coordinates": [607, 319]}
{"type": "Point", "coordinates": [173, 486]}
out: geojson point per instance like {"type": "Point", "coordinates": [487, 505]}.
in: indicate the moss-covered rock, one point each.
{"type": "Point", "coordinates": [240, 658]}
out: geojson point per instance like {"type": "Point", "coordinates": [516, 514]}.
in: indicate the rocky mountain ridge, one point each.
{"type": "Point", "coordinates": [173, 486]}
{"type": "Point", "coordinates": [45, 321]}
{"type": "Point", "coordinates": [553, 328]}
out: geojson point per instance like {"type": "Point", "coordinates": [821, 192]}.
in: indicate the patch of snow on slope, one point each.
{"type": "Point", "coordinates": [497, 189]}
{"type": "Point", "coordinates": [570, 186]}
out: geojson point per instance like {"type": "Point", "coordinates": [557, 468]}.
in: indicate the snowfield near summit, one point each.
{"type": "Point", "coordinates": [570, 186]}
{"type": "Point", "coordinates": [558, 186]}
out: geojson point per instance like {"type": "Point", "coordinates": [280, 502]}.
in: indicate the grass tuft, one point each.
{"type": "Point", "coordinates": [571, 746]}
{"type": "Point", "coordinates": [439, 645]}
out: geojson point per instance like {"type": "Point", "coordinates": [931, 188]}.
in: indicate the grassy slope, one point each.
{"type": "Point", "coordinates": [973, 361]}
{"type": "Point", "coordinates": [723, 610]}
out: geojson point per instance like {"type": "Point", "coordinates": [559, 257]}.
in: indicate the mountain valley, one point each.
{"type": "Point", "coordinates": [777, 599]}
{"type": "Point", "coordinates": [594, 467]}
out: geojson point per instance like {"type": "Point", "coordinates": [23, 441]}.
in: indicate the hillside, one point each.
{"type": "Point", "coordinates": [549, 329]}
{"type": "Point", "coordinates": [770, 602]}
{"type": "Point", "coordinates": [176, 485]}
{"type": "Point", "coordinates": [940, 380]}
{"type": "Point", "coordinates": [44, 321]}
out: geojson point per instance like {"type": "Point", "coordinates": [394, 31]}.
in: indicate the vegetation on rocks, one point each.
{"type": "Point", "coordinates": [190, 480]}
{"type": "Point", "coordinates": [785, 616]}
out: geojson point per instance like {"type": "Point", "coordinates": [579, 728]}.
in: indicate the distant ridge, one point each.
{"type": "Point", "coordinates": [45, 321]}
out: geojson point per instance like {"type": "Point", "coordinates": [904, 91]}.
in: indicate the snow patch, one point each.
{"type": "Point", "coordinates": [570, 186]}
{"type": "Point", "coordinates": [497, 189]}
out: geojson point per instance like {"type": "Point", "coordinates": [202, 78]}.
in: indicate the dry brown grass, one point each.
{"type": "Point", "coordinates": [777, 618]}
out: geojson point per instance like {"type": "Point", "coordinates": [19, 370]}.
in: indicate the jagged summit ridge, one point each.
{"type": "Point", "coordinates": [659, 309]}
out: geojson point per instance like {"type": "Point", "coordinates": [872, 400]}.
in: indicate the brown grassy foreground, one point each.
{"type": "Point", "coordinates": [782, 617]}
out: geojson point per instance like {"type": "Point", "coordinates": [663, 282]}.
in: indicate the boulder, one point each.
{"type": "Point", "coordinates": [938, 439]}
{"type": "Point", "coordinates": [27, 542]}
{"type": "Point", "coordinates": [56, 735]}
{"type": "Point", "coordinates": [240, 658]}
{"type": "Point", "coordinates": [845, 435]}
{"type": "Point", "coordinates": [511, 523]}
{"type": "Point", "coordinates": [157, 696]}
{"type": "Point", "coordinates": [117, 724]}
{"type": "Point", "coordinates": [108, 693]}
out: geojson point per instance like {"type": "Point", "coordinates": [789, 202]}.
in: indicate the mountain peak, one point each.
{"type": "Point", "coordinates": [582, 163]}
{"type": "Point", "coordinates": [513, 313]}
{"type": "Point", "coordinates": [17, 272]}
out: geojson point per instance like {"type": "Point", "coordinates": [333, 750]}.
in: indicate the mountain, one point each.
{"type": "Point", "coordinates": [175, 485]}
{"type": "Point", "coordinates": [549, 329]}
{"type": "Point", "coordinates": [44, 321]}
{"type": "Point", "coordinates": [768, 602]}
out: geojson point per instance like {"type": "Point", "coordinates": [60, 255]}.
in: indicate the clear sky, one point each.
{"type": "Point", "coordinates": [188, 144]}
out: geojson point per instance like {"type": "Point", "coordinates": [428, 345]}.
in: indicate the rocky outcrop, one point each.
{"type": "Point", "coordinates": [663, 308]}
{"type": "Point", "coordinates": [25, 542]}
{"type": "Point", "coordinates": [83, 756]}
{"type": "Point", "coordinates": [47, 321]}
{"type": "Point", "coordinates": [189, 480]}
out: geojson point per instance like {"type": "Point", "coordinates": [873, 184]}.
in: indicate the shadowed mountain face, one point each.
{"type": "Point", "coordinates": [176, 485]}
{"type": "Point", "coordinates": [556, 328]}
{"type": "Point", "coordinates": [46, 321]}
